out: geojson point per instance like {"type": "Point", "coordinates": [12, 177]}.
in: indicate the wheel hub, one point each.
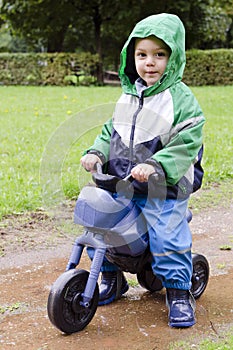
{"type": "Point", "coordinates": [76, 303]}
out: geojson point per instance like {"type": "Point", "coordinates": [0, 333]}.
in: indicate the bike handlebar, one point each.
{"type": "Point", "coordinates": [109, 182]}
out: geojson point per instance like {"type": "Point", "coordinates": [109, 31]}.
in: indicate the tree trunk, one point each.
{"type": "Point", "coordinates": [55, 43]}
{"type": "Point", "coordinates": [97, 23]}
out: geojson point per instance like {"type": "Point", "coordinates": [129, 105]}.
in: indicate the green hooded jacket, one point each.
{"type": "Point", "coordinates": [159, 125]}
{"type": "Point", "coordinates": [168, 28]}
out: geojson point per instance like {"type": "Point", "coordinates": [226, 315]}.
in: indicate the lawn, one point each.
{"type": "Point", "coordinates": [45, 129]}
{"type": "Point", "coordinates": [224, 343]}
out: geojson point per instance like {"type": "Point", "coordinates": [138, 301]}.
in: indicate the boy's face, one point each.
{"type": "Point", "coordinates": [151, 56]}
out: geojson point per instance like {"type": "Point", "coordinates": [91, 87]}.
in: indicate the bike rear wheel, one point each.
{"type": "Point", "coordinates": [200, 275]}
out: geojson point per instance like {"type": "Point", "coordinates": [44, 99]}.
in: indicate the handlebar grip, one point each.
{"type": "Point", "coordinates": [98, 168]}
{"type": "Point", "coordinates": [153, 177]}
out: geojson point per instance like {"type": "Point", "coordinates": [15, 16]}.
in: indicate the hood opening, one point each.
{"type": "Point", "coordinates": [130, 68]}
{"type": "Point", "coordinates": [166, 27]}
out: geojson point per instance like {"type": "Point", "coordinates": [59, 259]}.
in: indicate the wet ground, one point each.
{"type": "Point", "coordinates": [137, 321]}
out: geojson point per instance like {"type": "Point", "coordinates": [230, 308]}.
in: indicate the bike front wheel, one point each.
{"type": "Point", "coordinates": [65, 309]}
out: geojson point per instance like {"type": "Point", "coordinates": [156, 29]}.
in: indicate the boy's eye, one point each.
{"type": "Point", "coordinates": [141, 54]}
{"type": "Point", "coordinates": [161, 54]}
{"type": "Point", "coordinates": [157, 54]}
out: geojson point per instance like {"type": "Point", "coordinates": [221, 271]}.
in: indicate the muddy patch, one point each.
{"type": "Point", "coordinates": [137, 321]}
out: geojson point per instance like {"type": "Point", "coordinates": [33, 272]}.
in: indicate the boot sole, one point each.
{"type": "Point", "coordinates": [182, 324]}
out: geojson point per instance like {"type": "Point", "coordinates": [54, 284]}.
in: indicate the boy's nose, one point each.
{"type": "Point", "coordinates": [149, 61]}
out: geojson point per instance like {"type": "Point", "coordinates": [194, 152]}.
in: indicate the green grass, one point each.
{"type": "Point", "coordinates": [11, 308]}
{"type": "Point", "coordinates": [223, 342]}
{"type": "Point", "coordinates": [44, 131]}
{"type": "Point", "coordinates": [29, 116]}
{"type": "Point", "coordinates": [217, 106]}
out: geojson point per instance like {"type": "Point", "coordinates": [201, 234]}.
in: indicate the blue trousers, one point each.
{"type": "Point", "coordinates": [170, 241]}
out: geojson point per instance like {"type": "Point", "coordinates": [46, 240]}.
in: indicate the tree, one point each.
{"type": "Point", "coordinates": [102, 26]}
{"type": "Point", "coordinates": [209, 25]}
{"type": "Point", "coordinates": [39, 21]}
{"type": "Point", "coordinates": [11, 43]}
{"type": "Point", "coordinates": [108, 21]}
{"type": "Point", "coordinates": [54, 28]}
{"type": "Point", "coordinates": [207, 22]}
{"type": "Point", "coordinates": [68, 23]}
{"type": "Point", "coordinates": [226, 5]}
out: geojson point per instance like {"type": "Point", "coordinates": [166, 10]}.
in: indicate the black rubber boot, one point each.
{"type": "Point", "coordinates": [181, 306]}
{"type": "Point", "coordinates": [113, 286]}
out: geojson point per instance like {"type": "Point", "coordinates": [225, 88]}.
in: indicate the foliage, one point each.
{"type": "Point", "coordinates": [206, 21]}
{"type": "Point", "coordinates": [11, 308]}
{"type": "Point", "coordinates": [204, 67]}
{"type": "Point", "coordinates": [30, 115]}
{"type": "Point", "coordinates": [207, 25]}
{"type": "Point", "coordinates": [222, 342]}
{"type": "Point", "coordinates": [209, 67]}
{"type": "Point", "coordinates": [10, 43]}
{"type": "Point", "coordinates": [48, 69]}
{"type": "Point", "coordinates": [213, 28]}
{"type": "Point", "coordinates": [102, 26]}
{"type": "Point", "coordinates": [40, 22]}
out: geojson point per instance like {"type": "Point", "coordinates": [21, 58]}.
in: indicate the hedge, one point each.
{"type": "Point", "coordinates": [203, 67]}
{"type": "Point", "coordinates": [209, 67]}
{"type": "Point", "coordinates": [47, 69]}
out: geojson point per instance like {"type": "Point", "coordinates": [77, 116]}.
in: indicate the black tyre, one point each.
{"type": "Point", "coordinates": [148, 280]}
{"type": "Point", "coordinates": [64, 309]}
{"type": "Point", "coordinates": [200, 275]}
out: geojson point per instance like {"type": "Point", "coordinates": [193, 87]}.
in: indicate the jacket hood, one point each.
{"type": "Point", "coordinates": [168, 28]}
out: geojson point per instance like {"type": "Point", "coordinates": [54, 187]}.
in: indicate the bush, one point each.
{"type": "Point", "coordinates": [204, 67]}
{"type": "Point", "coordinates": [209, 67]}
{"type": "Point", "coordinates": [47, 69]}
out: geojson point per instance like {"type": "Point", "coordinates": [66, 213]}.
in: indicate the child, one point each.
{"type": "Point", "coordinates": [156, 128]}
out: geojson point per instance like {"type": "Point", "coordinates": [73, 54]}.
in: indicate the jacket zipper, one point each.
{"type": "Point", "coordinates": [131, 143]}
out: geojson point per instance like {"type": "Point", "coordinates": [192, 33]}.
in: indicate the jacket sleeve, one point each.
{"type": "Point", "coordinates": [101, 144]}
{"type": "Point", "coordinates": [181, 152]}
{"type": "Point", "coordinates": [185, 140]}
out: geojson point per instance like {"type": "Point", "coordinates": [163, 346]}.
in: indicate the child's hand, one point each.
{"type": "Point", "coordinates": [141, 172]}
{"type": "Point", "coordinates": [88, 162]}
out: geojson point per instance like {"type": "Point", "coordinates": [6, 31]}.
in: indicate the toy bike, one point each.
{"type": "Point", "coordinates": [118, 232]}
